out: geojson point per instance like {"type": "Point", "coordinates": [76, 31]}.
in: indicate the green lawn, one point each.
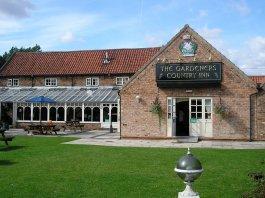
{"type": "Point", "coordinates": [43, 167]}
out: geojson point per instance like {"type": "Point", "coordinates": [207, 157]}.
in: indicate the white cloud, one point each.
{"type": "Point", "coordinates": [67, 37]}
{"type": "Point", "coordinates": [9, 26]}
{"type": "Point", "coordinates": [16, 8]}
{"type": "Point", "coordinates": [213, 36]}
{"type": "Point", "coordinates": [240, 6]}
{"type": "Point", "coordinates": [203, 13]}
{"type": "Point", "coordinates": [250, 57]}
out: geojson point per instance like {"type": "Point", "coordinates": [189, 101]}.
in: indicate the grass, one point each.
{"type": "Point", "coordinates": [43, 167]}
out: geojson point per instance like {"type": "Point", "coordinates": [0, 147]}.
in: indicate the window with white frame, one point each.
{"type": "Point", "coordinates": [94, 81]}
{"type": "Point", "coordinates": [13, 82]}
{"type": "Point", "coordinates": [50, 82]}
{"type": "Point", "coordinates": [121, 80]}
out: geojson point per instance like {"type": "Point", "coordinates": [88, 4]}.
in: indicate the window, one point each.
{"type": "Point", "coordinates": [78, 113]}
{"type": "Point", "coordinates": [88, 114]}
{"type": "Point", "coordinates": [36, 113]}
{"type": "Point", "coordinates": [92, 81]}
{"type": "Point", "coordinates": [196, 108]}
{"type": "Point", "coordinates": [53, 113]}
{"type": "Point", "coordinates": [70, 114]}
{"type": "Point", "coordinates": [106, 114]}
{"type": "Point", "coordinates": [50, 82]}
{"type": "Point", "coordinates": [20, 113]}
{"type": "Point", "coordinates": [96, 114]}
{"type": "Point", "coordinates": [60, 114]}
{"type": "Point", "coordinates": [114, 114]}
{"type": "Point", "coordinates": [44, 114]}
{"type": "Point", "coordinates": [13, 82]}
{"type": "Point", "coordinates": [27, 113]}
{"type": "Point", "coordinates": [121, 80]}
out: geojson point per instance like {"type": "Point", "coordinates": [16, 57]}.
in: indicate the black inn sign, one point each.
{"type": "Point", "coordinates": [188, 74]}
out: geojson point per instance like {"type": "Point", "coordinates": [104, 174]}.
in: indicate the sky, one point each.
{"type": "Point", "coordinates": [235, 27]}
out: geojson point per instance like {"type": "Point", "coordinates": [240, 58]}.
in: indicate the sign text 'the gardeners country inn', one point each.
{"type": "Point", "coordinates": [188, 74]}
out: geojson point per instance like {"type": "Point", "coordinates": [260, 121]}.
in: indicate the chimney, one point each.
{"type": "Point", "coordinates": [106, 59]}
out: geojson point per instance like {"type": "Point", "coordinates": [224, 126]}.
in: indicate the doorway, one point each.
{"type": "Point", "coordinates": [182, 118]}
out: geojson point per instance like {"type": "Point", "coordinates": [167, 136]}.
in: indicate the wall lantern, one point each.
{"type": "Point", "coordinates": [189, 169]}
{"type": "Point", "coordinates": [138, 98]}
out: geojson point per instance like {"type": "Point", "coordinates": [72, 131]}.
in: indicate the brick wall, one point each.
{"type": "Point", "coordinates": [234, 92]}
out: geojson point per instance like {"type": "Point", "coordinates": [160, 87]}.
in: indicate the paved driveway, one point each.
{"type": "Point", "coordinates": [104, 138]}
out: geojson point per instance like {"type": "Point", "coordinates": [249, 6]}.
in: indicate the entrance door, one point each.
{"type": "Point", "coordinates": [182, 117]}
{"type": "Point", "coordinates": [201, 117]}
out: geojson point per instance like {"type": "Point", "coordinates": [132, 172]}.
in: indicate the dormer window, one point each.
{"type": "Point", "coordinates": [121, 80]}
{"type": "Point", "coordinates": [13, 82]}
{"type": "Point", "coordinates": [50, 82]}
{"type": "Point", "coordinates": [92, 82]}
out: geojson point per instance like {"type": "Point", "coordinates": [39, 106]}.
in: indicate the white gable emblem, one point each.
{"type": "Point", "coordinates": [187, 47]}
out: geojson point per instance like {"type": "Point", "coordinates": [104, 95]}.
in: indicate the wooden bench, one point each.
{"type": "Point", "coordinates": [73, 125]}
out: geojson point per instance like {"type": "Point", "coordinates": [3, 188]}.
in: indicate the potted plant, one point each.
{"type": "Point", "coordinates": [221, 110]}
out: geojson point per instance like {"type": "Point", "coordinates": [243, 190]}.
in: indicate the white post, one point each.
{"type": "Point", "coordinates": [31, 112]}
{"type": "Point", "coordinates": [48, 112]}
{"type": "Point", "coordinates": [110, 121]}
{"type": "Point", "coordinates": [65, 112]}
{"type": "Point", "coordinates": [0, 111]}
{"type": "Point", "coordinates": [101, 113]}
{"type": "Point", "coordinates": [83, 112]}
{"type": "Point", "coordinates": [14, 113]}
{"type": "Point", "coordinates": [118, 117]}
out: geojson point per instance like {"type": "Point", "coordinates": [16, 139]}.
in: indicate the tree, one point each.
{"type": "Point", "coordinates": [7, 55]}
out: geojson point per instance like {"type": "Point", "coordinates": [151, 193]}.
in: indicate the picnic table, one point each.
{"type": "Point", "coordinates": [43, 129]}
{"type": "Point", "coordinates": [75, 124]}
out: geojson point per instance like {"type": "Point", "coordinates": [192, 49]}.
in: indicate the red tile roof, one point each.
{"type": "Point", "coordinates": [123, 61]}
{"type": "Point", "coordinates": [258, 79]}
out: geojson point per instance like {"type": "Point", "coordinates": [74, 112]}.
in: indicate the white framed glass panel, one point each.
{"type": "Point", "coordinates": [114, 114]}
{"type": "Point", "coordinates": [93, 81]}
{"type": "Point", "coordinates": [121, 80]}
{"type": "Point", "coordinates": [70, 114]}
{"type": "Point", "coordinates": [60, 114]}
{"type": "Point", "coordinates": [53, 113]}
{"type": "Point", "coordinates": [49, 82]}
{"type": "Point", "coordinates": [15, 82]}
{"type": "Point", "coordinates": [20, 113]}
{"type": "Point", "coordinates": [44, 113]}
{"type": "Point", "coordinates": [36, 113]}
{"type": "Point", "coordinates": [96, 114]}
{"type": "Point", "coordinates": [27, 113]}
{"type": "Point", "coordinates": [87, 114]}
{"type": "Point", "coordinates": [9, 82]}
{"type": "Point", "coordinates": [78, 113]}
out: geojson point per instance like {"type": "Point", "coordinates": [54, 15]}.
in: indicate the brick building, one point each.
{"type": "Point", "coordinates": [190, 89]}
{"type": "Point", "coordinates": [185, 88]}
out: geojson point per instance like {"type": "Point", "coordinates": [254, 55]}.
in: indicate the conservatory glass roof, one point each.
{"type": "Point", "coordinates": [80, 95]}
